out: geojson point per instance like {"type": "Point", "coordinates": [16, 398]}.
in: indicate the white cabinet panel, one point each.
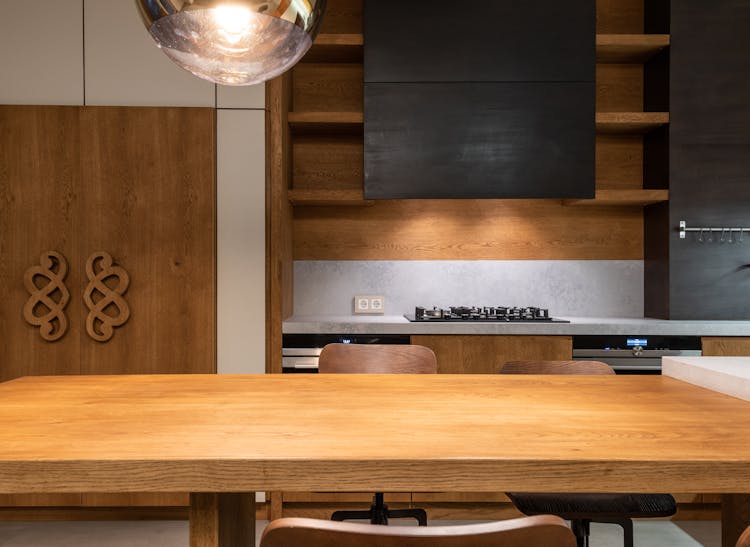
{"type": "Point", "coordinates": [124, 66]}
{"type": "Point", "coordinates": [250, 96]}
{"type": "Point", "coordinates": [241, 241]}
{"type": "Point", "coordinates": [41, 52]}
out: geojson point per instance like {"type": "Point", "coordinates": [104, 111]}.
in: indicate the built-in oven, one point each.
{"type": "Point", "coordinates": [634, 354]}
{"type": "Point", "coordinates": [300, 352]}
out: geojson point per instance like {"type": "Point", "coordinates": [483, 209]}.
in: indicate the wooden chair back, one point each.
{"type": "Point", "coordinates": [539, 531]}
{"type": "Point", "coordinates": [744, 540]}
{"type": "Point", "coordinates": [556, 367]}
{"type": "Point", "coordinates": [377, 359]}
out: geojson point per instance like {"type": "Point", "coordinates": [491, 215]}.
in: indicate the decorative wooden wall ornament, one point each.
{"type": "Point", "coordinates": [50, 299]}
{"type": "Point", "coordinates": [99, 297]}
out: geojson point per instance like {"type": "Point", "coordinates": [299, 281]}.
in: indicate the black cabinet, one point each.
{"type": "Point", "coordinates": [491, 140]}
{"type": "Point", "coordinates": [496, 41]}
{"type": "Point", "coordinates": [484, 100]}
{"type": "Point", "coordinates": [709, 150]}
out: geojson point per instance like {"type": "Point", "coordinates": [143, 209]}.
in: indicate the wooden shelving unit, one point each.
{"type": "Point", "coordinates": [326, 121]}
{"type": "Point", "coordinates": [324, 197]}
{"type": "Point", "coordinates": [633, 198]}
{"type": "Point", "coordinates": [336, 48]}
{"type": "Point", "coordinates": [629, 48]}
{"type": "Point", "coordinates": [630, 122]}
{"type": "Point", "coordinates": [333, 48]}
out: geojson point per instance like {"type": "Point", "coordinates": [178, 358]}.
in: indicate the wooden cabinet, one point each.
{"type": "Point", "coordinates": [39, 211]}
{"type": "Point", "coordinates": [727, 346]}
{"type": "Point", "coordinates": [500, 41]}
{"type": "Point", "coordinates": [139, 184]}
{"type": "Point", "coordinates": [136, 183]}
{"type": "Point", "coordinates": [479, 140]}
{"type": "Point", "coordinates": [465, 354]}
{"type": "Point", "coordinates": [124, 66]}
{"type": "Point", "coordinates": [447, 115]}
{"type": "Point", "coordinates": [705, 277]}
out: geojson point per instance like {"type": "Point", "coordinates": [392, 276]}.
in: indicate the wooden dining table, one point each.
{"type": "Point", "coordinates": [223, 437]}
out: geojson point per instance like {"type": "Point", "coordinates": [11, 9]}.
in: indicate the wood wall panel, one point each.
{"type": "Point", "coordinates": [327, 87]}
{"type": "Point", "coordinates": [332, 162]}
{"type": "Point", "coordinates": [39, 211]}
{"type": "Point", "coordinates": [487, 354]}
{"type": "Point", "coordinates": [620, 16]}
{"type": "Point", "coordinates": [619, 87]}
{"type": "Point", "coordinates": [149, 192]}
{"type": "Point", "coordinates": [738, 346]}
{"type": "Point", "coordinates": [342, 17]}
{"type": "Point", "coordinates": [466, 230]}
{"type": "Point", "coordinates": [279, 263]}
{"type": "Point", "coordinates": [619, 162]}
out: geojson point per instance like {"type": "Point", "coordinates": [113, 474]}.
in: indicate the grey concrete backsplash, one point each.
{"type": "Point", "coordinates": [587, 288]}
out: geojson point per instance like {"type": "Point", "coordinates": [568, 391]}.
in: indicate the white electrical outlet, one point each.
{"type": "Point", "coordinates": [361, 304]}
{"type": "Point", "coordinates": [369, 304]}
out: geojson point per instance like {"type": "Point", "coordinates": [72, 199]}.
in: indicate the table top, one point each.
{"type": "Point", "coordinates": [209, 433]}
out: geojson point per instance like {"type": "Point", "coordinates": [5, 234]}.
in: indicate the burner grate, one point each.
{"type": "Point", "coordinates": [483, 313]}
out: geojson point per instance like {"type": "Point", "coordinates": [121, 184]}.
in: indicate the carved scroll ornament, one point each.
{"type": "Point", "coordinates": [45, 307]}
{"type": "Point", "coordinates": [107, 308]}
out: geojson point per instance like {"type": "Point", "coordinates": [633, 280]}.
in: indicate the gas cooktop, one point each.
{"type": "Point", "coordinates": [498, 314]}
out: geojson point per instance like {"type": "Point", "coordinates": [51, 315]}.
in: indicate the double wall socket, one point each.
{"type": "Point", "coordinates": [369, 304]}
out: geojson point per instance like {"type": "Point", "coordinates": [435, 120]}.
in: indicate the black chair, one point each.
{"type": "Point", "coordinates": [378, 359]}
{"type": "Point", "coordinates": [583, 509]}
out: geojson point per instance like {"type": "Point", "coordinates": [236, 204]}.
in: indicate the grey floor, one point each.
{"type": "Point", "coordinates": [175, 534]}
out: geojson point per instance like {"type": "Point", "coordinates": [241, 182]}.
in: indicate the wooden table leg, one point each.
{"type": "Point", "coordinates": [222, 520]}
{"type": "Point", "coordinates": [735, 517]}
{"type": "Point", "coordinates": [275, 505]}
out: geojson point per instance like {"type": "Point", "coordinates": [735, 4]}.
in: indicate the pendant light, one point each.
{"type": "Point", "coordinates": [233, 42]}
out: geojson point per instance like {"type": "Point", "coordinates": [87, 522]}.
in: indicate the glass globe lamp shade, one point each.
{"type": "Point", "coordinates": [233, 42]}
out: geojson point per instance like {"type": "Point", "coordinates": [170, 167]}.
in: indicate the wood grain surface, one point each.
{"type": "Point", "coordinates": [39, 210]}
{"type": "Point", "coordinates": [207, 433]}
{"type": "Point", "coordinates": [737, 346]}
{"type": "Point", "coordinates": [481, 229]}
{"type": "Point", "coordinates": [487, 354]}
{"type": "Point", "coordinates": [149, 192]}
{"type": "Point", "coordinates": [279, 262]}
{"type": "Point", "coordinates": [619, 16]}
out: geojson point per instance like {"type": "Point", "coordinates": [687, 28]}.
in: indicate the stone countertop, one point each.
{"type": "Point", "coordinates": [398, 324]}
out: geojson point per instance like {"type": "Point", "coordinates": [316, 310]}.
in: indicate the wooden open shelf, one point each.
{"type": "Point", "coordinates": [630, 122]}
{"type": "Point", "coordinates": [637, 198]}
{"type": "Point", "coordinates": [606, 122]}
{"type": "Point", "coordinates": [610, 48]}
{"type": "Point", "coordinates": [351, 198]}
{"type": "Point", "coordinates": [629, 48]}
{"type": "Point", "coordinates": [336, 48]}
{"type": "Point", "coordinates": [326, 121]}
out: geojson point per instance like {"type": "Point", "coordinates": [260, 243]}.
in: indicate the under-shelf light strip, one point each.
{"type": "Point", "coordinates": [726, 233]}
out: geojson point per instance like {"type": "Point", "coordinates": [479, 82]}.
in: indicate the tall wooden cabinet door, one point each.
{"type": "Point", "coordinates": [39, 178]}
{"type": "Point", "coordinates": [149, 203]}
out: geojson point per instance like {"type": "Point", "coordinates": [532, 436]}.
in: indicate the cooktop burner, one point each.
{"type": "Point", "coordinates": [496, 313]}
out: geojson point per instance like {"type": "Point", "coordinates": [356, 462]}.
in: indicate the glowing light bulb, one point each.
{"type": "Point", "coordinates": [233, 23]}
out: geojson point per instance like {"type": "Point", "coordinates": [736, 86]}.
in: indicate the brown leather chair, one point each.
{"type": "Point", "coordinates": [539, 531]}
{"type": "Point", "coordinates": [744, 540]}
{"type": "Point", "coordinates": [582, 509]}
{"type": "Point", "coordinates": [378, 359]}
